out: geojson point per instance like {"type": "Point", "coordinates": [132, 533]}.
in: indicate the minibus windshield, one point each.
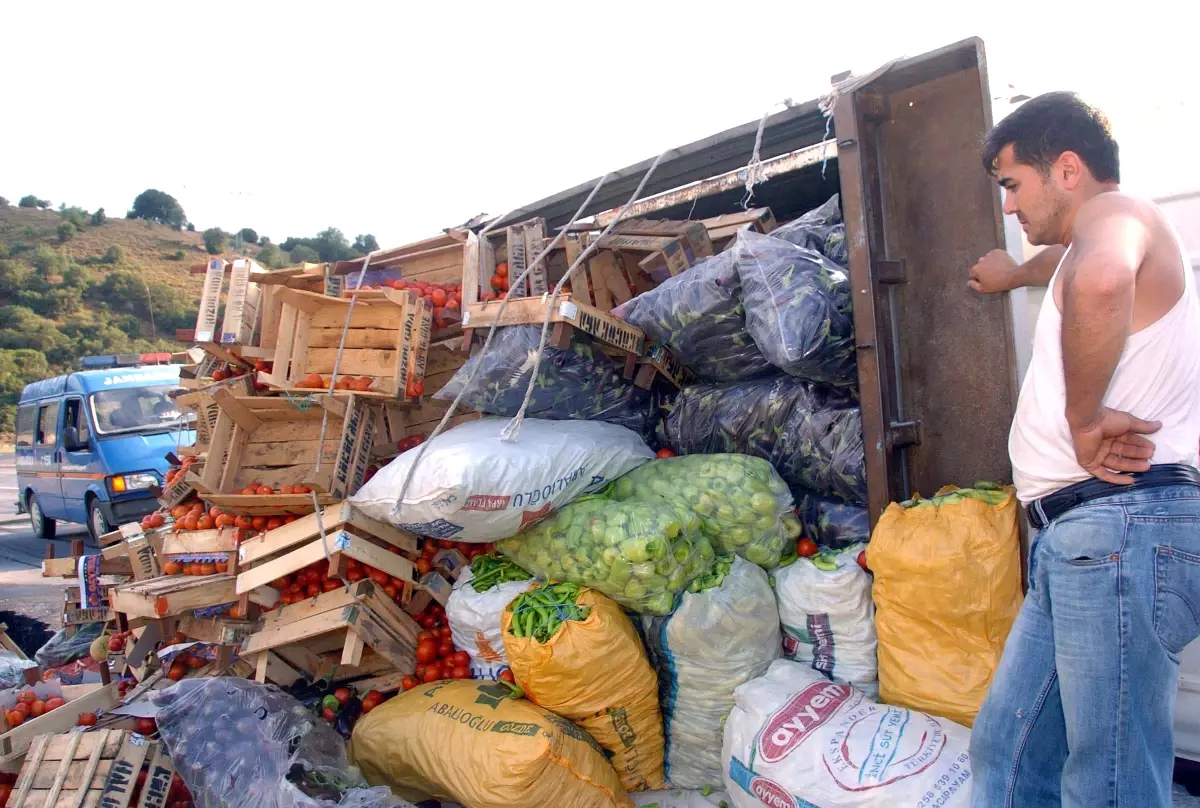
{"type": "Point", "coordinates": [137, 409]}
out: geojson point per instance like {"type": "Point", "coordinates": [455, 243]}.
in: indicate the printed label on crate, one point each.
{"type": "Point", "coordinates": [210, 300]}
{"type": "Point", "coordinates": [91, 595]}
{"type": "Point", "coordinates": [438, 528]}
{"type": "Point", "coordinates": [241, 307]}
{"type": "Point", "coordinates": [157, 787]}
{"type": "Point", "coordinates": [78, 617]}
{"type": "Point", "coordinates": [143, 558]}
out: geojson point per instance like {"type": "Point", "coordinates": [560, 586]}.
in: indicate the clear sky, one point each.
{"type": "Point", "coordinates": [401, 118]}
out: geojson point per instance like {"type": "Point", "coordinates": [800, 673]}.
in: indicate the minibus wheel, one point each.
{"type": "Point", "coordinates": [43, 528]}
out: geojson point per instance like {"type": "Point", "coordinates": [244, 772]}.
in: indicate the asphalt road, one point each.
{"type": "Point", "coordinates": [22, 587]}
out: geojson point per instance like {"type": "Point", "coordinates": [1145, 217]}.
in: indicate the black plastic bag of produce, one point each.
{"type": "Point", "coordinates": [811, 434]}
{"type": "Point", "coordinates": [831, 522]}
{"type": "Point", "coordinates": [743, 505]}
{"type": "Point", "coordinates": [640, 554]}
{"type": "Point", "coordinates": [579, 382]}
{"type": "Point", "coordinates": [238, 742]}
{"type": "Point", "coordinates": [725, 632]}
{"type": "Point", "coordinates": [820, 229]}
{"type": "Point", "coordinates": [797, 308]}
{"type": "Point", "coordinates": [60, 649]}
{"type": "Point", "coordinates": [699, 315]}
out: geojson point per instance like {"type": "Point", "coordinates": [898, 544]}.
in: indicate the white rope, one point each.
{"type": "Point", "coordinates": [754, 167]}
{"type": "Point", "coordinates": [513, 285]}
{"type": "Point", "coordinates": [513, 429]}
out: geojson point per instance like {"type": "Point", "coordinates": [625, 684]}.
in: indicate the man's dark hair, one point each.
{"type": "Point", "coordinates": [1041, 129]}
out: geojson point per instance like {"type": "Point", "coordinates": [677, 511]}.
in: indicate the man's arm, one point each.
{"type": "Point", "coordinates": [998, 272]}
{"type": "Point", "coordinates": [1098, 280]}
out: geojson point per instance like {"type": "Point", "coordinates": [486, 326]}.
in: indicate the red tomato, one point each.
{"type": "Point", "coordinates": [408, 683]}
{"type": "Point", "coordinates": [806, 547]}
{"type": "Point", "coordinates": [461, 659]}
{"type": "Point", "coordinates": [374, 694]}
{"type": "Point", "coordinates": [424, 565]}
{"type": "Point", "coordinates": [664, 453]}
{"type": "Point", "coordinates": [429, 547]}
{"type": "Point", "coordinates": [427, 651]}
{"type": "Point", "coordinates": [460, 672]}
{"type": "Point", "coordinates": [425, 635]}
{"type": "Point", "coordinates": [506, 675]}
{"type": "Point", "coordinates": [446, 649]}
{"type": "Point", "coordinates": [146, 726]}
{"type": "Point", "coordinates": [379, 577]}
{"type": "Point", "coordinates": [445, 544]}
{"type": "Point", "coordinates": [328, 714]}
{"type": "Point", "coordinates": [432, 673]}
{"type": "Point", "coordinates": [862, 560]}
{"type": "Point", "coordinates": [428, 621]}
{"type": "Point", "coordinates": [87, 720]}
{"type": "Point", "coordinates": [5, 793]}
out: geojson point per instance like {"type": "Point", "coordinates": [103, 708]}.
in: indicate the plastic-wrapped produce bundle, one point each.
{"type": "Point", "coordinates": [238, 742]}
{"type": "Point", "coordinates": [640, 554]}
{"type": "Point", "coordinates": [811, 434]}
{"type": "Point", "coordinates": [820, 229]}
{"type": "Point", "coordinates": [797, 308]}
{"type": "Point", "coordinates": [578, 382]}
{"type": "Point", "coordinates": [830, 522]}
{"type": "Point", "coordinates": [720, 636]}
{"type": "Point", "coordinates": [743, 505]}
{"type": "Point", "coordinates": [699, 315]}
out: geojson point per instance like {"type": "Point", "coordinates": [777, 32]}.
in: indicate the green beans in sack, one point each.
{"type": "Point", "coordinates": [743, 504]}
{"type": "Point", "coordinates": [641, 554]}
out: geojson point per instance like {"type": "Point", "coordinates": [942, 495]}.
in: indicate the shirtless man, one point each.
{"type": "Point", "coordinates": [1104, 455]}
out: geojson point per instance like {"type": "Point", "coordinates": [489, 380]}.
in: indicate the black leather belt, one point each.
{"type": "Point", "coordinates": [1045, 510]}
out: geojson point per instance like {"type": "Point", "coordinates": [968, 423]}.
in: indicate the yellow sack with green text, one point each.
{"type": "Point", "coordinates": [947, 589]}
{"type": "Point", "coordinates": [595, 673]}
{"type": "Point", "coordinates": [471, 742]}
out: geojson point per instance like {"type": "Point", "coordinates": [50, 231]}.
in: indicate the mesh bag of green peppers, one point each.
{"type": "Point", "coordinates": [830, 522]}
{"type": "Point", "coordinates": [641, 554]}
{"type": "Point", "coordinates": [699, 315]}
{"type": "Point", "coordinates": [797, 309]}
{"type": "Point", "coordinates": [820, 229]}
{"type": "Point", "coordinates": [578, 382]}
{"type": "Point", "coordinates": [811, 434]}
{"type": "Point", "coordinates": [743, 505]}
{"type": "Point", "coordinates": [725, 632]}
{"type": "Point", "coordinates": [574, 652]}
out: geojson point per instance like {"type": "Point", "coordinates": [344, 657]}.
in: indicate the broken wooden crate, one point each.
{"type": "Point", "coordinates": [17, 741]}
{"type": "Point", "coordinates": [349, 619]}
{"type": "Point", "coordinates": [276, 442]}
{"type": "Point", "coordinates": [383, 353]}
{"type": "Point", "coordinates": [98, 769]}
{"type": "Point", "coordinates": [170, 595]}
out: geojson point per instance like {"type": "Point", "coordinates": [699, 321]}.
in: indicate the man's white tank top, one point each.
{"type": "Point", "coordinates": [1157, 379]}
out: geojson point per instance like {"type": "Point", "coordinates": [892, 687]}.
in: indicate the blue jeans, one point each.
{"type": "Point", "coordinates": [1080, 711]}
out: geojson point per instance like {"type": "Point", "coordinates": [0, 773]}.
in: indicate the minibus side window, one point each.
{"type": "Point", "coordinates": [47, 425]}
{"type": "Point", "coordinates": [76, 416]}
{"type": "Point", "coordinates": [25, 419]}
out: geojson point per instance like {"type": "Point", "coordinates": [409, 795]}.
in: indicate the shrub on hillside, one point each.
{"type": "Point", "coordinates": [215, 240]}
{"type": "Point", "coordinates": [99, 217]}
{"type": "Point", "coordinates": [300, 253]}
{"type": "Point", "coordinates": [31, 201]}
{"type": "Point", "coordinates": [178, 255]}
{"type": "Point", "coordinates": [271, 257]}
{"type": "Point", "coordinates": [66, 231]}
{"type": "Point", "coordinates": [76, 216]}
{"type": "Point", "coordinates": [115, 254]}
{"type": "Point", "coordinates": [248, 236]}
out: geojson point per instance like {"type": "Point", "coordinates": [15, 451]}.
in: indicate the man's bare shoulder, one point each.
{"type": "Point", "coordinates": [1117, 205]}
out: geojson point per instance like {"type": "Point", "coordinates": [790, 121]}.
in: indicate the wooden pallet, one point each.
{"type": "Point", "coordinates": [17, 741]}
{"type": "Point", "coordinates": [358, 617]}
{"type": "Point", "coordinates": [271, 441]}
{"type": "Point", "coordinates": [173, 594]}
{"type": "Point", "coordinates": [387, 341]}
{"type": "Point", "coordinates": [93, 770]}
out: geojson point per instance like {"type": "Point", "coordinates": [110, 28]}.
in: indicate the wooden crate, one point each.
{"type": "Point", "coordinates": [438, 259]}
{"type": "Point", "coordinates": [173, 594]}
{"type": "Point", "coordinates": [96, 769]}
{"type": "Point", "coordinates": [17, 741]}
{"type": "Point", "coordinates": [387, 341]}
{"type": "Point", "coordinates": [357, 617]}
{"type": "Point", "coordinates": [348, 533]}
{"type": "Point", "coordinates": [567, 312]}
{"type": "Point", "coordinates": [272, 441]}
{"type": "Point", "coordinates": [723, 229]}
{"type": "Point", "coordinates": [516, 246]}
{"type": "Point", "coordinates": [74, 615]}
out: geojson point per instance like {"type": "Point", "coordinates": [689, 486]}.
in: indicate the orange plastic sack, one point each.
{"type": "Point", "coordinates": [595, 673]}
{"type": "Point", "coordinates": [470, 742]}
{"type": "Point", "coordinates": [947, 589]}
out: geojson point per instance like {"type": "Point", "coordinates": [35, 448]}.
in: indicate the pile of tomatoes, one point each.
{"type": "Point", "coordinates": [30, 706]}
{"type": "Point", "coordinates": [258, 489]}
{"type": "Point", "coordinates": [411, 442]}
{"type": "Point", "coordinates": [314, 579]}
{"type": "Point", "coordinates": [430, 548]}
{"type": "Point", "coordinates": [315, 381]}
{"type": "Point", "coordinates": [500, 283]}
{"type": "Point", "coordinates": [436, 656]}
{"type": "Point", "coordinates": [444, 298]}
{"type": "Point", "coordinates": [176, 567]}
{"type": "Point", "coordinates": [184, 663]}
{"type": "Point", "coordinates": [193, 516]}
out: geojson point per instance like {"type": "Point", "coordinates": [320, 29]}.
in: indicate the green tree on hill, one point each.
{"type": "Point", "coordinates": [31, 201]}
{"type": "Point", "coordinates": [300, 254]}
{"type": "Point", "coordinates": [248, 235]}
{"type": "Point", "coordinates": [99, 217]}
{"type": "Point", "coordinates": [215, 240]}
{"type": "Point", "coordinates": [157, 206]}
{"type": "Point", "coordinates": [365, 243]}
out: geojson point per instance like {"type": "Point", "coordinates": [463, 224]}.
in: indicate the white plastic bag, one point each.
{"type": "Point", "coordinates": [475, 623]}
{"type": "Point", "coordinates": [828, 617]}
{"type": "Point", "coordinates": [797, 739]}
{"type": "Point", "coordinates": [716, 640]}
{"type": "Point", "coordinates": [473, 486]}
